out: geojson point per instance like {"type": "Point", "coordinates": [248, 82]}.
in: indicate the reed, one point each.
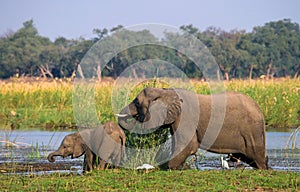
{"type": "Point", "coordinates": [279, 99]}
{"type": "Point", "coordinates": [48, 104]}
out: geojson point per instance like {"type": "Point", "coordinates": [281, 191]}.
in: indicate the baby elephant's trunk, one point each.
{"type": "Point", "coordinates": [51, 156]}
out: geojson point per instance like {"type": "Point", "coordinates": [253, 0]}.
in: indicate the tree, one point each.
{"type": "Point", "coordinates": [272, 50]}
{"type": "Point", "coordinates": [281, 40]}
{"type": "Point", "coordinates": [73, 56]}
{"type": "Point", "coordinates": [22, 52]}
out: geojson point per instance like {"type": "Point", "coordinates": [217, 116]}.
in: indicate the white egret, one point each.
{"type": "Point", "coordinates": [224, 163]}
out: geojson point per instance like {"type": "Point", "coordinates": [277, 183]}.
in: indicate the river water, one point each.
{"type": "Point", "coordinates": [283, 148]}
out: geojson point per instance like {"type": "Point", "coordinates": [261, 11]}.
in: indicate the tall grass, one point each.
{"type": "Point", "coordinates": [279, 99]}
{"type": "Point", "coordinates": [31, 104]}
{"type": "Point", "coordinates": [48, 104]}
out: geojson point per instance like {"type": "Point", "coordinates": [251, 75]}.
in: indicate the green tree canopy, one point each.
{"type": "Point", "coordinates": [272, 50]}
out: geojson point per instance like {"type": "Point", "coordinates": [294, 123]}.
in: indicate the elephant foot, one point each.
{"type": "Point", "coordinates": [256, 164]}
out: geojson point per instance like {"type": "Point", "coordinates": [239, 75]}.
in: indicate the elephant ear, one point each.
{"type": "Point", "coordinates": [173, 102]}
{"type": "Point", "coordinates": [79, 146]}
{"type": "Point", "coordinates": [108, 127]}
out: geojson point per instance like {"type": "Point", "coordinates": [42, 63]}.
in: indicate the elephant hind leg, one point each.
{"type": "Point", "coordinates": [261, 163]}
{"type": "Point", "coordinates": [256, 163]}
{"type": "Point", "coordinates": [258, 158]}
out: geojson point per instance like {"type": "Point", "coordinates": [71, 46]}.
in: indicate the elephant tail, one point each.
{"type": "Point", "coordinates": [263, 125]}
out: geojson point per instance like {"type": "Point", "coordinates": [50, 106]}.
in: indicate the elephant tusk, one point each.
{"type": "Point", "coordinates": [122, 115]}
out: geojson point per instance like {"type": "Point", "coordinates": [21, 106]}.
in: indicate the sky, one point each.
{"type": "Point", "coordinates": [74, 19]}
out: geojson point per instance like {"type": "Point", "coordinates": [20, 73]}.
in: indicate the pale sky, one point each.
{"type": "Point", "coordinates": [74, 18]}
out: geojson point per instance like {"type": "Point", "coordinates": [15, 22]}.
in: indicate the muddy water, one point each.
{"type": "Point", "coordinates": [29, 149]}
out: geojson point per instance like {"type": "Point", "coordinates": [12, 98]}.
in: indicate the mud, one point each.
{"type": "Point", "coordinates": [34, 167]}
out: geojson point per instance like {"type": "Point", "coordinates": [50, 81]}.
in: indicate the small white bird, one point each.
{"type": "Point", "coordinates": [145, 166]}
{"type": "Point", "coordinates": [224, 163]}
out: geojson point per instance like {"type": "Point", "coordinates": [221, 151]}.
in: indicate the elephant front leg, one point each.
{"type": "Point", "coordinates": [177, 161]}
{"type": "Point", "coordinates": [88, 161]}
{"type": "Point", "coordinates": [182, 153]}
{"type": "Point", "coordinates": [102, 164]}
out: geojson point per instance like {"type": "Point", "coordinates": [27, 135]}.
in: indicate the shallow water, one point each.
{"type": "Point", "coordinates": [34, 146]}
{"type": "Point", "coordinates": [48, 139]}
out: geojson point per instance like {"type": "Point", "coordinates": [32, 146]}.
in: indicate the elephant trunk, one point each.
{"type": "Point", "coordinates": [126, 125]}
{"type": "Point", "coordinates": [51, 156]}
{"type": "Point", "coordinates": [123, 118]}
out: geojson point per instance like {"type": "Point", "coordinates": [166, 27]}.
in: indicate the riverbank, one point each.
{"type": "Point", "coordinates": [47, 104]}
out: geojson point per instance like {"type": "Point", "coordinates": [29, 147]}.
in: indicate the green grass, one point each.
{"type": "Point", "coordinates": [129, 180]}
{"type": "Point", "coordinates": [48, 104]}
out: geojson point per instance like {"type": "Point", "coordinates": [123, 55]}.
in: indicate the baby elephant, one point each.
{"type": "Point", "coordinates": [106, 142]}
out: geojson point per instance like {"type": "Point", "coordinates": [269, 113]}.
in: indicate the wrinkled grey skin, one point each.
{"type": "Point", "coordinates": [242, 131]}
{"type": "Point", "coordinates": [106, 142]}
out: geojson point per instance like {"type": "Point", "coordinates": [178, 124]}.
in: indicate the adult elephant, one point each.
{"type": "Point", "coordinates": [228, 123]}
{"type": "Point", "coordinates": [106, 142]}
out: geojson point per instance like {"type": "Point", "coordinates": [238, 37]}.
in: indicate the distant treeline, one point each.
{"type": "Point", "coordinates": [272, 50]}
